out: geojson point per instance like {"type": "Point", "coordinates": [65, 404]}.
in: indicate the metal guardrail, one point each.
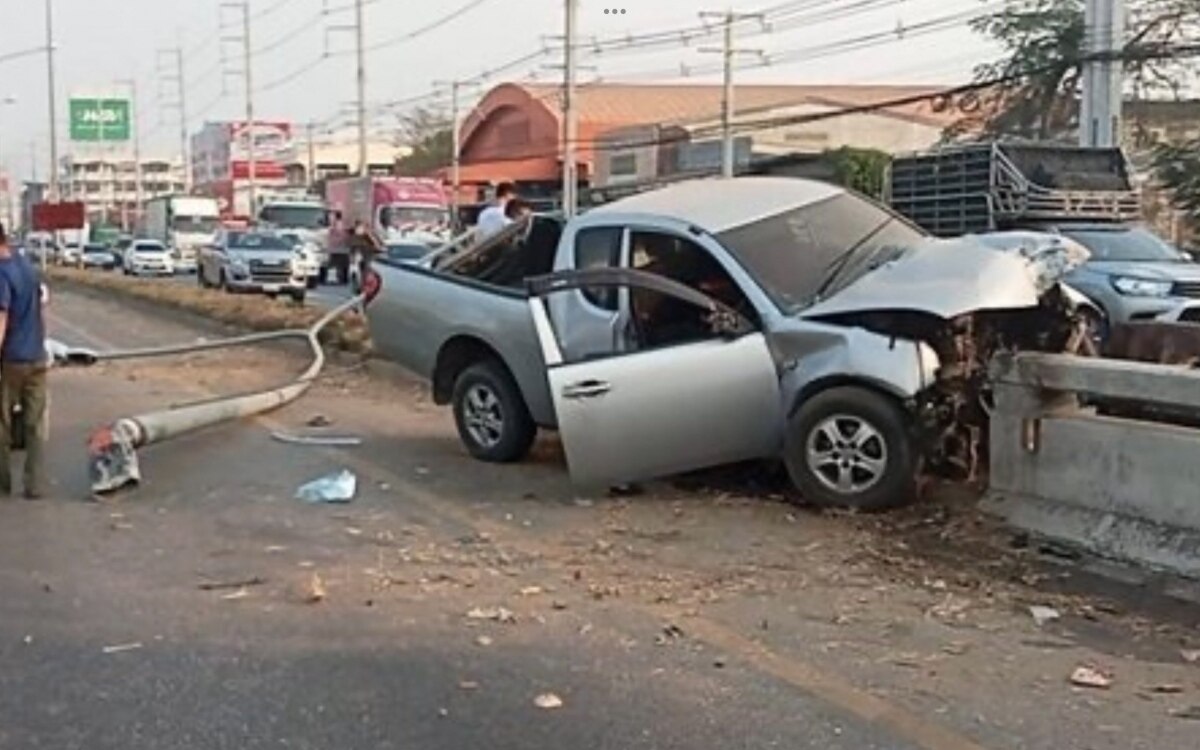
{"type": "Point", "coordinates": [1118, 487]}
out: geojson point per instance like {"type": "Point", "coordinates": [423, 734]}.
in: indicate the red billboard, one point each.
{"type": "Point", "coordinates": [50, 217]}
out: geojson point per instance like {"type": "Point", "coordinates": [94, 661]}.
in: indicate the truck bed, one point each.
{"type": "Point", "coordinates": [421, 310]}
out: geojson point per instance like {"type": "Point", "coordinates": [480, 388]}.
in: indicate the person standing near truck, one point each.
{"type": "Point", "coordinates": [23, 368]}
{"type": "Point", "coordinates": [493, 219]}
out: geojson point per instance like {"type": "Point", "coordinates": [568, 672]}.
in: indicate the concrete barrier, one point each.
{"type": "Point", "coordinates": [1125, 489]}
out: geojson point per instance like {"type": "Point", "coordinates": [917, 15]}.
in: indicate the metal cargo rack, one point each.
{"type": "Point", "coordinates": [988, 186]}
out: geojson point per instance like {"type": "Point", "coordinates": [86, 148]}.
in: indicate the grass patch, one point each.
{"type": "Point", "coordinates": [253, 312]}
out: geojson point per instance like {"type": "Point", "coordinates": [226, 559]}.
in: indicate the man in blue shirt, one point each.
{"type": "Point", "coordinates": [23, 368]}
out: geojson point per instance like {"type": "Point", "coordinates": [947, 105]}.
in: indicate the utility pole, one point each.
{"type": "Point", "coordinates": [247, 72]}
{"type": "Point", "coordinates": [1103, 74]}
{"type": "Point", "coordinates": [455, 142]}
{"type": "Point", "coordinates": [172, 73]}
{"type": "Point", "coordinates": [728, 105]}
{"type": "Point", "coordinates": [309, 130]}
{"type": "Point", "coordinates": [360, 52]}
{"type": "Point", "coordinates": [134, 114]}
{"type": "Point", "coordinates": [570, 134]}
{"type": "Point", "coordinates": [361, 73]}
{"type": "Point", "coordinates": [53, 113]}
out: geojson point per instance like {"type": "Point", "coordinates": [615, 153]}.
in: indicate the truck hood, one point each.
{"type": "Point", "coordinates": [1165, 270]}
{"type": "Point", "coordinates": [948, 278]}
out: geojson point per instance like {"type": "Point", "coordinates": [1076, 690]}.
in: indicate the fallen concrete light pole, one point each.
{"type": "Point", "coordinates": [112, 450]}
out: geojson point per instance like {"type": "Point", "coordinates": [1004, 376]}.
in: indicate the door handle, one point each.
{"type": "Point", "coordinates": [586, 389]}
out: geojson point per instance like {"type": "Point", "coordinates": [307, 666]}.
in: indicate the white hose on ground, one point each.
{"type": "Point", "coordinates": [112, 450]}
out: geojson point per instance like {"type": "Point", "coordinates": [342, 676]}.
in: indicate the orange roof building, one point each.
{"type": "Point", "coordinates": [515, 131]}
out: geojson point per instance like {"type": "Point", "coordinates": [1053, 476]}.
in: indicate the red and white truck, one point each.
{"type": "Point", "coordinates": [394, 209]}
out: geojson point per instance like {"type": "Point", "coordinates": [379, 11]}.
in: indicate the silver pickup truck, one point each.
{"type": "Point", "coordinates": [713, 322]}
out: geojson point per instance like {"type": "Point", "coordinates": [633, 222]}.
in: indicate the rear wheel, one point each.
{"type": "Point", "coordinates": [298, 296]}
{"type": "Point", "coordinates": [489, 411]}
{"type": "Point", "coordinates": [850, 447]}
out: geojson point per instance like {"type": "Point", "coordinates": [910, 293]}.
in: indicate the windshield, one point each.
{"type": "Point", "coordinates": [258, 242]}
{"type": "Point", "coordinates": [95, 249]}
{"type": "Point", "coordinates": [296, 217]}
{"type": "Point", "coordinates": [794, 255]}
{"type": "Point", "coordinates": [195, 224]}
{"type": "Point", "coordinates": [1125, 244]}
{"type": "Point", "coordinates": [149, 247]}
{"type": "Point", "coordinates": [396, 217]}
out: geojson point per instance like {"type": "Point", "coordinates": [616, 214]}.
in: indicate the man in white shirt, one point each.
{"type": "Point", "coordinates": [493, 220]}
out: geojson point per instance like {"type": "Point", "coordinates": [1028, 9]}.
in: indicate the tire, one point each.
{"type": "Point", "coordinates": [878, 474]}
{"type": "Point", "coordinates": [487, 390]}
{"type": "Point", "coordinates": [223, 283]}
{"type": "Point", "coordinates": [200, 280]}
{"type": "Point", "coordinates": [298, 297]}
{"type": "Point", "coordinates": [311, 283]}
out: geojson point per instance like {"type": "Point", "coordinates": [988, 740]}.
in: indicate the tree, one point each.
{"type": "Point", "coordinates": [860, 169]}
{"type": "Point", "coordinates": [1177, 167]}
{"type": "Point", "coordinates": [1040, 72]}
{"type": "Point", "coordinates": [428, 133]}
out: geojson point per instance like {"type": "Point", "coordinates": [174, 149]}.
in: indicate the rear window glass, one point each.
{"type": "Point", "coordinates": [599, 248]}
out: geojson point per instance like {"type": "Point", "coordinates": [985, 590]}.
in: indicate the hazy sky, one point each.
{"type": "Point", "coordinates": [103, 41]}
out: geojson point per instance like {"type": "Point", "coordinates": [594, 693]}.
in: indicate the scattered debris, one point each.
{"type": "Point", "coordinates": [484, 640]}
{"type": "Point", "coordinates": [494, 614]}
{"type": "Point", "coordinates": [559, 605]}
{"type": "Point", "coordinates": [1165, 689]}
{"type": "Point", "coordinates": [1191, 656]}
{"type": "Point", "coordinates": [719, 663]}
{"type": "Point", "coordinates": [1189, 712]}
{"type": "Point", "coordinates": [28, 639]}
{"type": "Point", "coordinates": [670, 632]}
{"type": "Point", "coordinates": [233, 595]}
{"type": "Point", "coordinates": [443, 713]}
{"type": "Point", "coordinates": [1091, 677]}
{"type": "Point", "coordinates": [531, 591]}
{"type": "Point", "coordinates": [1042, 615]}
{"type": "Point", "coordinates": [317, 440]}
{"type": "Point", "coordinates": [122, 647]}
{"type": "Point", "coordinates": [316, 590]}
{"type": "Point", "coordinates": [275, 548]}
{"type": "Point", "coordinates": [238, 584]}
{"type": "Point", "coordinates": [468, 685]}
{"type": "Point", "coordinates": [333, 488]}
{"type": "Point", "coordinates": [319, 420]}
{"type": "Point", "coordinates": [548, 701]}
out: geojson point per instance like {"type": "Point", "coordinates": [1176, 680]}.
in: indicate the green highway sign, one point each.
{"type": "Point", "coordinates": [99, 119]}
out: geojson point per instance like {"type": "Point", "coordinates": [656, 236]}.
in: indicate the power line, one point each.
{"type": "Point", "coordinates": [462, 10]}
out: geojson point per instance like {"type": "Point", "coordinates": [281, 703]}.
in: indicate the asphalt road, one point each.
{"type": "Point", "coordinates": [694, 616]}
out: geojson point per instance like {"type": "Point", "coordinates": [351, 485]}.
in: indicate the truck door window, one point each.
{"type": "Point", "coordinates": [599, 247]}
{"type": "Point", "coordinates": [660, 320]}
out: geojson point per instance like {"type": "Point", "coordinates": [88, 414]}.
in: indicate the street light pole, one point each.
{"type": "Point", "coordinates": [8, 101]}
{"type": "Point", "coordinates": [51, 94]}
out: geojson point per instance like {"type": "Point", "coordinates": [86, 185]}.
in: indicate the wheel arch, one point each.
{"type": "Point", "coordinates": [828, 382]}
{"type": "Point", "coordinates": [456, 355]}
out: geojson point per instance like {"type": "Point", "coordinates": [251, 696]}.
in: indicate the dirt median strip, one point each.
{"type": "Point", "coordinates": [250, 311]}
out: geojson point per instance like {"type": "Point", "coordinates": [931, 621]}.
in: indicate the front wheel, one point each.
{"type": "Point", "coordinates": [493, 422]}
{"type": "Point", "coordinates": [849, 447]}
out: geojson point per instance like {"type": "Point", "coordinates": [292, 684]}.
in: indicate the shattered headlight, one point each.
{"type": "Point", "coordinates": [1131, 286]}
